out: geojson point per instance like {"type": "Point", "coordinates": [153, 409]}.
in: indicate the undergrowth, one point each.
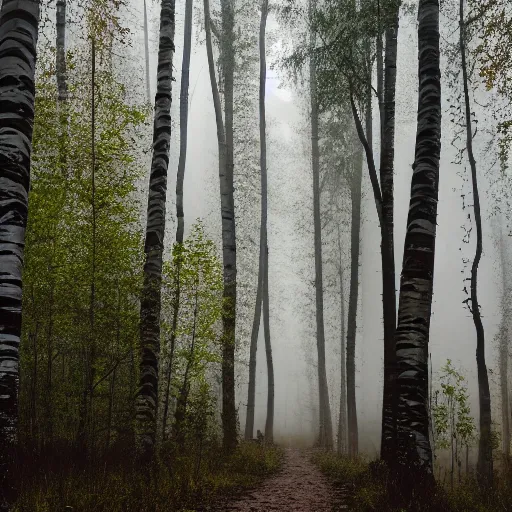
{"type": "Point", "coordinates": [367, 485]}
{"type": "Point", "coordinates": [176, 483]}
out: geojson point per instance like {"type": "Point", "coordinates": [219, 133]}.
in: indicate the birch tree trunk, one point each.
{"type": "Point", "coordinates": [484, 464]}
{"type": "Point", "coordinates": [229, 415]}
{"type": "Point", "coordinates": [18, 38]}
{"type": "Point", "coordinates": [185, 81]}
{"type": "Point", "coordinates": [326, 435]}
{"type": "Point", "coordinates": [147, 399]}
{"type": "Point", "coordinates": [226, 164]}
{"type": "Point", "coordinates": [416, 285]}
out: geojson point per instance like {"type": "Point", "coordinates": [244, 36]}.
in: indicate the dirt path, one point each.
{"type": "Point", "coordinates": [299, 486]}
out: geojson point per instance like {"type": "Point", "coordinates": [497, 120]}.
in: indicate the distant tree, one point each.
{"type": "Point", "coordinates": [269, 424]}
{"type": "Point", "coordinates": [503, 338]}
{"type": "Point", "coordinates": [485, 472]}
{"type": "Point", "coordinates": [326, 435]}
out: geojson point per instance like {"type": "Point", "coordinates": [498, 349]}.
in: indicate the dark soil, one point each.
{"type": "Point", "coordinates": [298, 486]}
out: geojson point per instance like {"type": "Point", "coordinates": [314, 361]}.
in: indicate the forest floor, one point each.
{"type": "Point", "coordinates": [299, 486]}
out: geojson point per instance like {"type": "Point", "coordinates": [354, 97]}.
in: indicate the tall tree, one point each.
{"type": "Point", "coordinates": [226, 166]}
{"type": "Point", "coordinates": [325, 436]}
{"type": "Point", "coordinates": [484, 466]}
{"type": "Point", "coordinates": [355, 244]}
{"type": "Point", "coordinates": [387, 155]}
{"type": "Point", "coordinates": [19, 23]}
{"type": "Point", "coordinates": [416, 284]}
{"type": "Point", "coordinates": [180, 229]}
{"type": "Point", "coordinates": [352, 53]}
{"type": "Point", "coordinates": [269, 425]}
{"type": "Point", "coordinates": [504, 337]}
{"type": "Point", "coordinates": [342, 418]}
{"type": "Point", "coordinates": [147, 399]}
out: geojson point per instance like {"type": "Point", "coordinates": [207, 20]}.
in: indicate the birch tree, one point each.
{"type": "Point", "coordinates": [224, 124]}
{"type": "Point", "coordinates": [180, 229]}
{"type": "Point", "coordinates": [18, 38]}
{"type": "Point", "coordinates": [416, 284]}
{"type": "Point", "coordinates": [147, 399]}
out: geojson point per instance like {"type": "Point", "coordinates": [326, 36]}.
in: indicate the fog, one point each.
{"type": "Point", "coordinates": [291, 242]}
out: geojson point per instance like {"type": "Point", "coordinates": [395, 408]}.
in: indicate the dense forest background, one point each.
{"type": "Point", "coordinates": [164, 324]}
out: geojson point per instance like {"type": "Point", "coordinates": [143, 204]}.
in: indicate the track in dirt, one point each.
{"type": "Point", "coordinates": [298, 486]}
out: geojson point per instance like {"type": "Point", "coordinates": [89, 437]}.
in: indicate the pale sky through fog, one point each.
{"type": "Point", "coordinates": [452, 330]}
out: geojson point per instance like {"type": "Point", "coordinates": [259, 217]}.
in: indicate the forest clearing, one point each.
{"type": "Point", "coordinates": [284, 284]}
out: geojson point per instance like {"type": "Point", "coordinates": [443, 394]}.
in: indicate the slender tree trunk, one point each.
{"type": "Point", "coordinates": [110, 408]}
{"type": "Point", "coordinates": [146, 52]}
{"type": "Point", "coordinates": [85, 411]}
{"type": "Point", "coordinates": [484, 465]}
{"type": "Point", "coordinates": [60, 60]}
{"type": "Point", "coordinates": [342, 420]}
{"type": "Point", "coordinates": [49, 369]}
{"type": "Point", "coordinates": [412, 333]}
{"type": "Point", "coordinates": [18, 38]}
{"type": "Point", "coordinates": [387, 155]}
{"type": "Point", "coordinates": [504, 354]}
{"type": "Point", "coordinates": [227, 59]}
{"type": "Point", "coordinates": [251, 392]}
{"type": "Point", "coordinates": [355, 193]}
{"type": "Point", "coordinates": [326, 435]}
{"type": "Point", "coordinates": [181, 406]}
{"type": "Point", "coordinates": [168, 380]}
{"type": "Point", "coordinates": [225, 143]}
{"type": "Point", "coordinates": [147, 399]}
{"type": "Point", "coordinates": [62, 88]}
{"type": "Point", "coordinates": [34, 383]}
{"type": "Point", "coordinates": [94, 219]}
{"type": "Point", "coordinates": [185, 81]}
{"type": "Point", "coordinates": [269, 425]}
